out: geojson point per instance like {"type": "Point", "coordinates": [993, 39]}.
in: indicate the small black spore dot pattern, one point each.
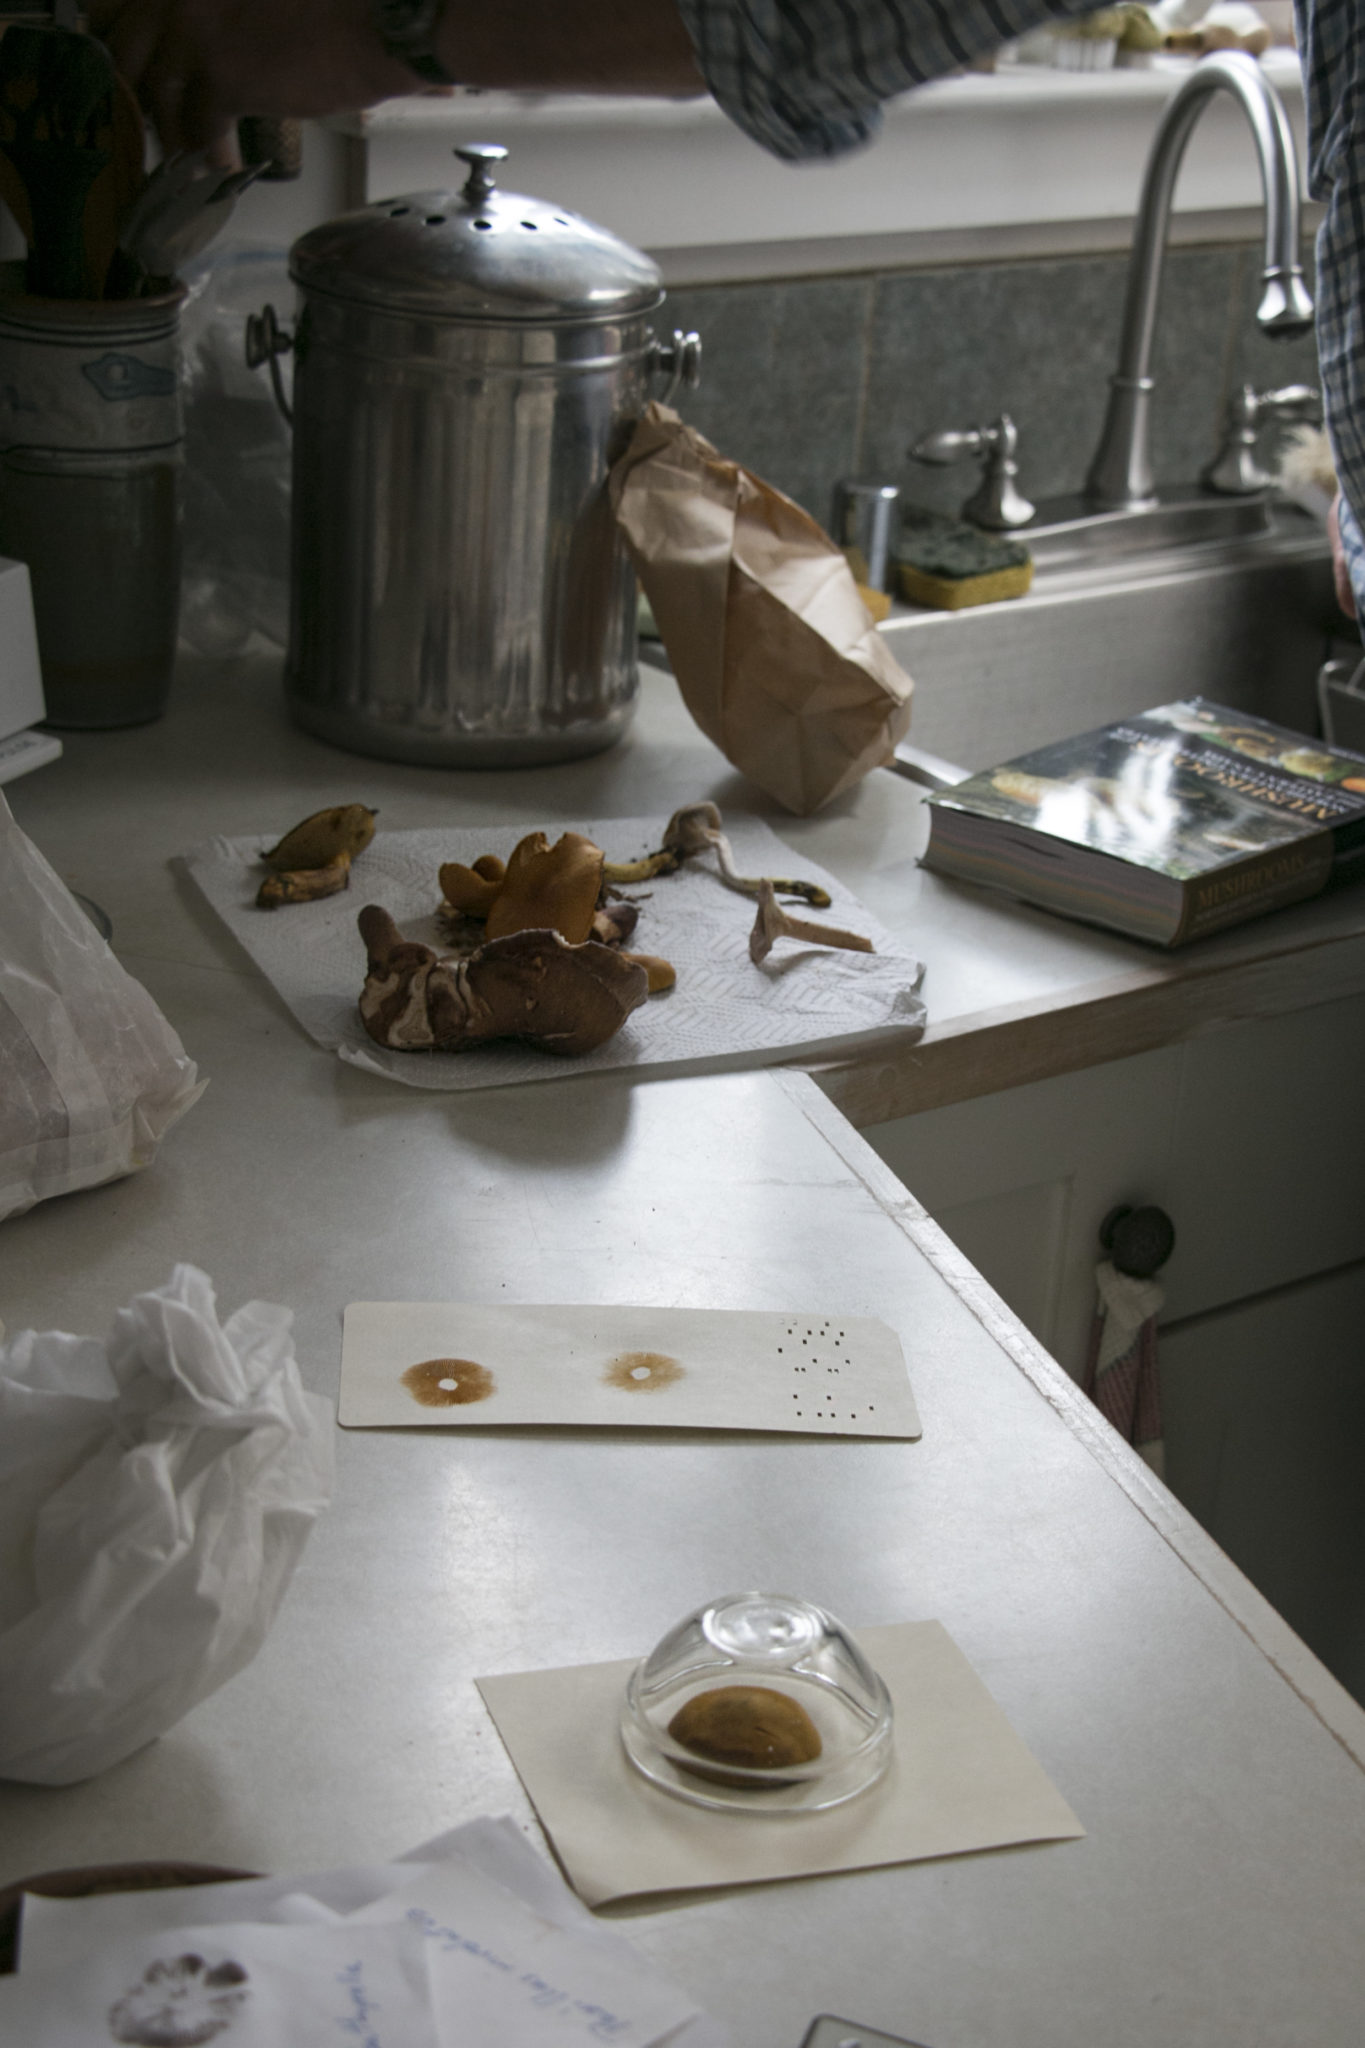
{"type": "Point", "coordinates": [828, 1357]}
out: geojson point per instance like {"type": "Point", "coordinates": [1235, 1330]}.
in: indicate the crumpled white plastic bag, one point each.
{"type": "Point", "coordinates": [156, 1492]}
{"type": "Point", "coordinates": [91, 1074]}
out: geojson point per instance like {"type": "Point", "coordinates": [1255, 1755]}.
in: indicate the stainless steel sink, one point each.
{"type": "Point", "coordinates": [1068, 533]}
{"type": "Point", "coordinates": [1231, 601]}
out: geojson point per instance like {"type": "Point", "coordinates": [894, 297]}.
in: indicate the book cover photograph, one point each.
{"type": "Point", "coordinates": [1166, 825]}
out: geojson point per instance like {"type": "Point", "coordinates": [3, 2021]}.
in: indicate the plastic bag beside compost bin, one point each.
{"type": "Point", "coordinates": [156, 1492]}
{"type": "Point", "coordinates": [237, 457]}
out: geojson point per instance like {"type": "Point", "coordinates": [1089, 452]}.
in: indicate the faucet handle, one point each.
{"type": "Point", "coordinates": [1235, 471]}
{"type": "Point", "coordinates": [1290, 402]}
{"type": "Point", "coordinates": [997, 503]}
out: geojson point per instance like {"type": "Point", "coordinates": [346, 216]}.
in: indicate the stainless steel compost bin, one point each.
{"type": "Point", "coordinates": [467, 366]}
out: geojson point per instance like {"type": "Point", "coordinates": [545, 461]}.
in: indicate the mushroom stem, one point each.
{"type": "Point", "coordinates": [773, 923]}
{"type": "Point", "coordinates": [645, 870]}
{"type": "Point", "coordinates": [697, 829]}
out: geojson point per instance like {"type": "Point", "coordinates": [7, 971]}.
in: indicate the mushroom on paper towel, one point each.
{"type": "Point", "coordinates": [544, 888]}
{"type": "Point", "coordinates": [532, 985]}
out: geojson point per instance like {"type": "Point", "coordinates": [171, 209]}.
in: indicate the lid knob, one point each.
{"type": "Point", "coordinates": [482, 158]}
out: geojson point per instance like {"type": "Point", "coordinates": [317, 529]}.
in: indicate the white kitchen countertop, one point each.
{"type": "Point", "coordinates": [1013, 993]}
{"type": "Point", "coordinates": [1221, 1888]}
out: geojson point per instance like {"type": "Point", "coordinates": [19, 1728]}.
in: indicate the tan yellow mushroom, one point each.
{"type": "Point", "coordinates": [305, 885]}
{"type": "Point", "coordinates": [314, 858]}
{"type": "Point", "coordinates": [541, 888]}
{"type": "Point", "coordinates": [662, 974]}
{"type": "Point", "coordinates": [322, 838]}
{"type": "Point", "coordinates": [548, 888]}
{"type": "Point", "coordinates": [471, 890]}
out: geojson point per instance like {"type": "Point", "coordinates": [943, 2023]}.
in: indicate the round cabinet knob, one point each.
{"type": "Point", "coordinates": [1138, 1241]}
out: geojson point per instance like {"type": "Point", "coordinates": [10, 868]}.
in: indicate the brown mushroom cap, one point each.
{"type": "Point", "coordinates": [562, 998]}
{"type": "Point", "coordinates": [412, 999]}
{"type": "Point", "coordinates": [530, 985]}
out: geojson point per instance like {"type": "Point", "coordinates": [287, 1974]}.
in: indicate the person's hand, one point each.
{"type": "Point", "coordinates": [1341, 574]}
{"type": "Point", "coordinates": [197, 65]}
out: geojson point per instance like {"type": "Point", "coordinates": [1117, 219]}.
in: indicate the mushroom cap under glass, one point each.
{"type": "Point", "coordinates": [758, 1703]}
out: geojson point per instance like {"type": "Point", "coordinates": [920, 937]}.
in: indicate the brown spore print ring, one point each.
{"type": "Point", "coordinates": [449, 1382]}
{"type": "Point", "coordinates": [642, 1372]}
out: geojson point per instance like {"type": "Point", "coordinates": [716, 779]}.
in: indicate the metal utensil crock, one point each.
{"type": "Point", "coordinates": [467, 365]}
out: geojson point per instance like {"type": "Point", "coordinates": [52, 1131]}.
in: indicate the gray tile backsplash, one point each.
{"type": "Point", "coordinates": [782, 374]}
{"type": "Point", "coordinates": [808, 380]}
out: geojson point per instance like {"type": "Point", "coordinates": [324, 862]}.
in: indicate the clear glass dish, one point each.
{"type": "Point", "coordinates": [834, 1745]}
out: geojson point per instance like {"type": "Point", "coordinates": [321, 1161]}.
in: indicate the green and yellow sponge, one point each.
{"type": "Point", "coordinates": [946, 564]}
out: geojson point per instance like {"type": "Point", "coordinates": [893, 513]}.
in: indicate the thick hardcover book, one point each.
{"type": "Point", "coordinates": [1166, 826]}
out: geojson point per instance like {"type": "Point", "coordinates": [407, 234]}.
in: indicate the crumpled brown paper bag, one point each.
{"type": "Point", "coordinates": [777, 656]}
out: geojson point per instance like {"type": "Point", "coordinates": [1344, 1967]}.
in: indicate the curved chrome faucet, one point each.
{"type": "Point", "coordinates": [1120, 477]}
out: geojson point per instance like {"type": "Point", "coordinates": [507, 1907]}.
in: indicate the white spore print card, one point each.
{"type": "Point", "coordinates": [463, 1365]}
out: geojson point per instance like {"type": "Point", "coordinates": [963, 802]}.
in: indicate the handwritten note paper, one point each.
{"type": "Point", "coordinates": [495, 1963]}
{"type": "Point", "coordinates": [472, 1942]}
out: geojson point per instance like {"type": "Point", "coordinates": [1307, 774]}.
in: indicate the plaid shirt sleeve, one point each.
{"type": "Point", "coordinates": [806, 78]}
{"type": "Point", "coordinates": [1331, 37]}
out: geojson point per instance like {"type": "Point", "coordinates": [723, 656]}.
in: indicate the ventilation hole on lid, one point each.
{"type": "Point", "coordinates": [562, 222]}
{"type": "Point", "coordinates": [483, 224]}
{"type": "Point", "coordinates": [397, 212]}
{"type": "Point", "coordinates": [532, 225]}
{"type": "Point", "coordinates": [436, 220]}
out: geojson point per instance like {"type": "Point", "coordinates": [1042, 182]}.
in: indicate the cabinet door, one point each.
{"type": "Point", "coordinates": [1021, 1181]}
{"type": "Point", "coordinates": [1252, 1140]}
{"type": "Point", "coordinates": [1264, 1412]}
{"type": "Point", "coordinates": [1268, 1150]}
